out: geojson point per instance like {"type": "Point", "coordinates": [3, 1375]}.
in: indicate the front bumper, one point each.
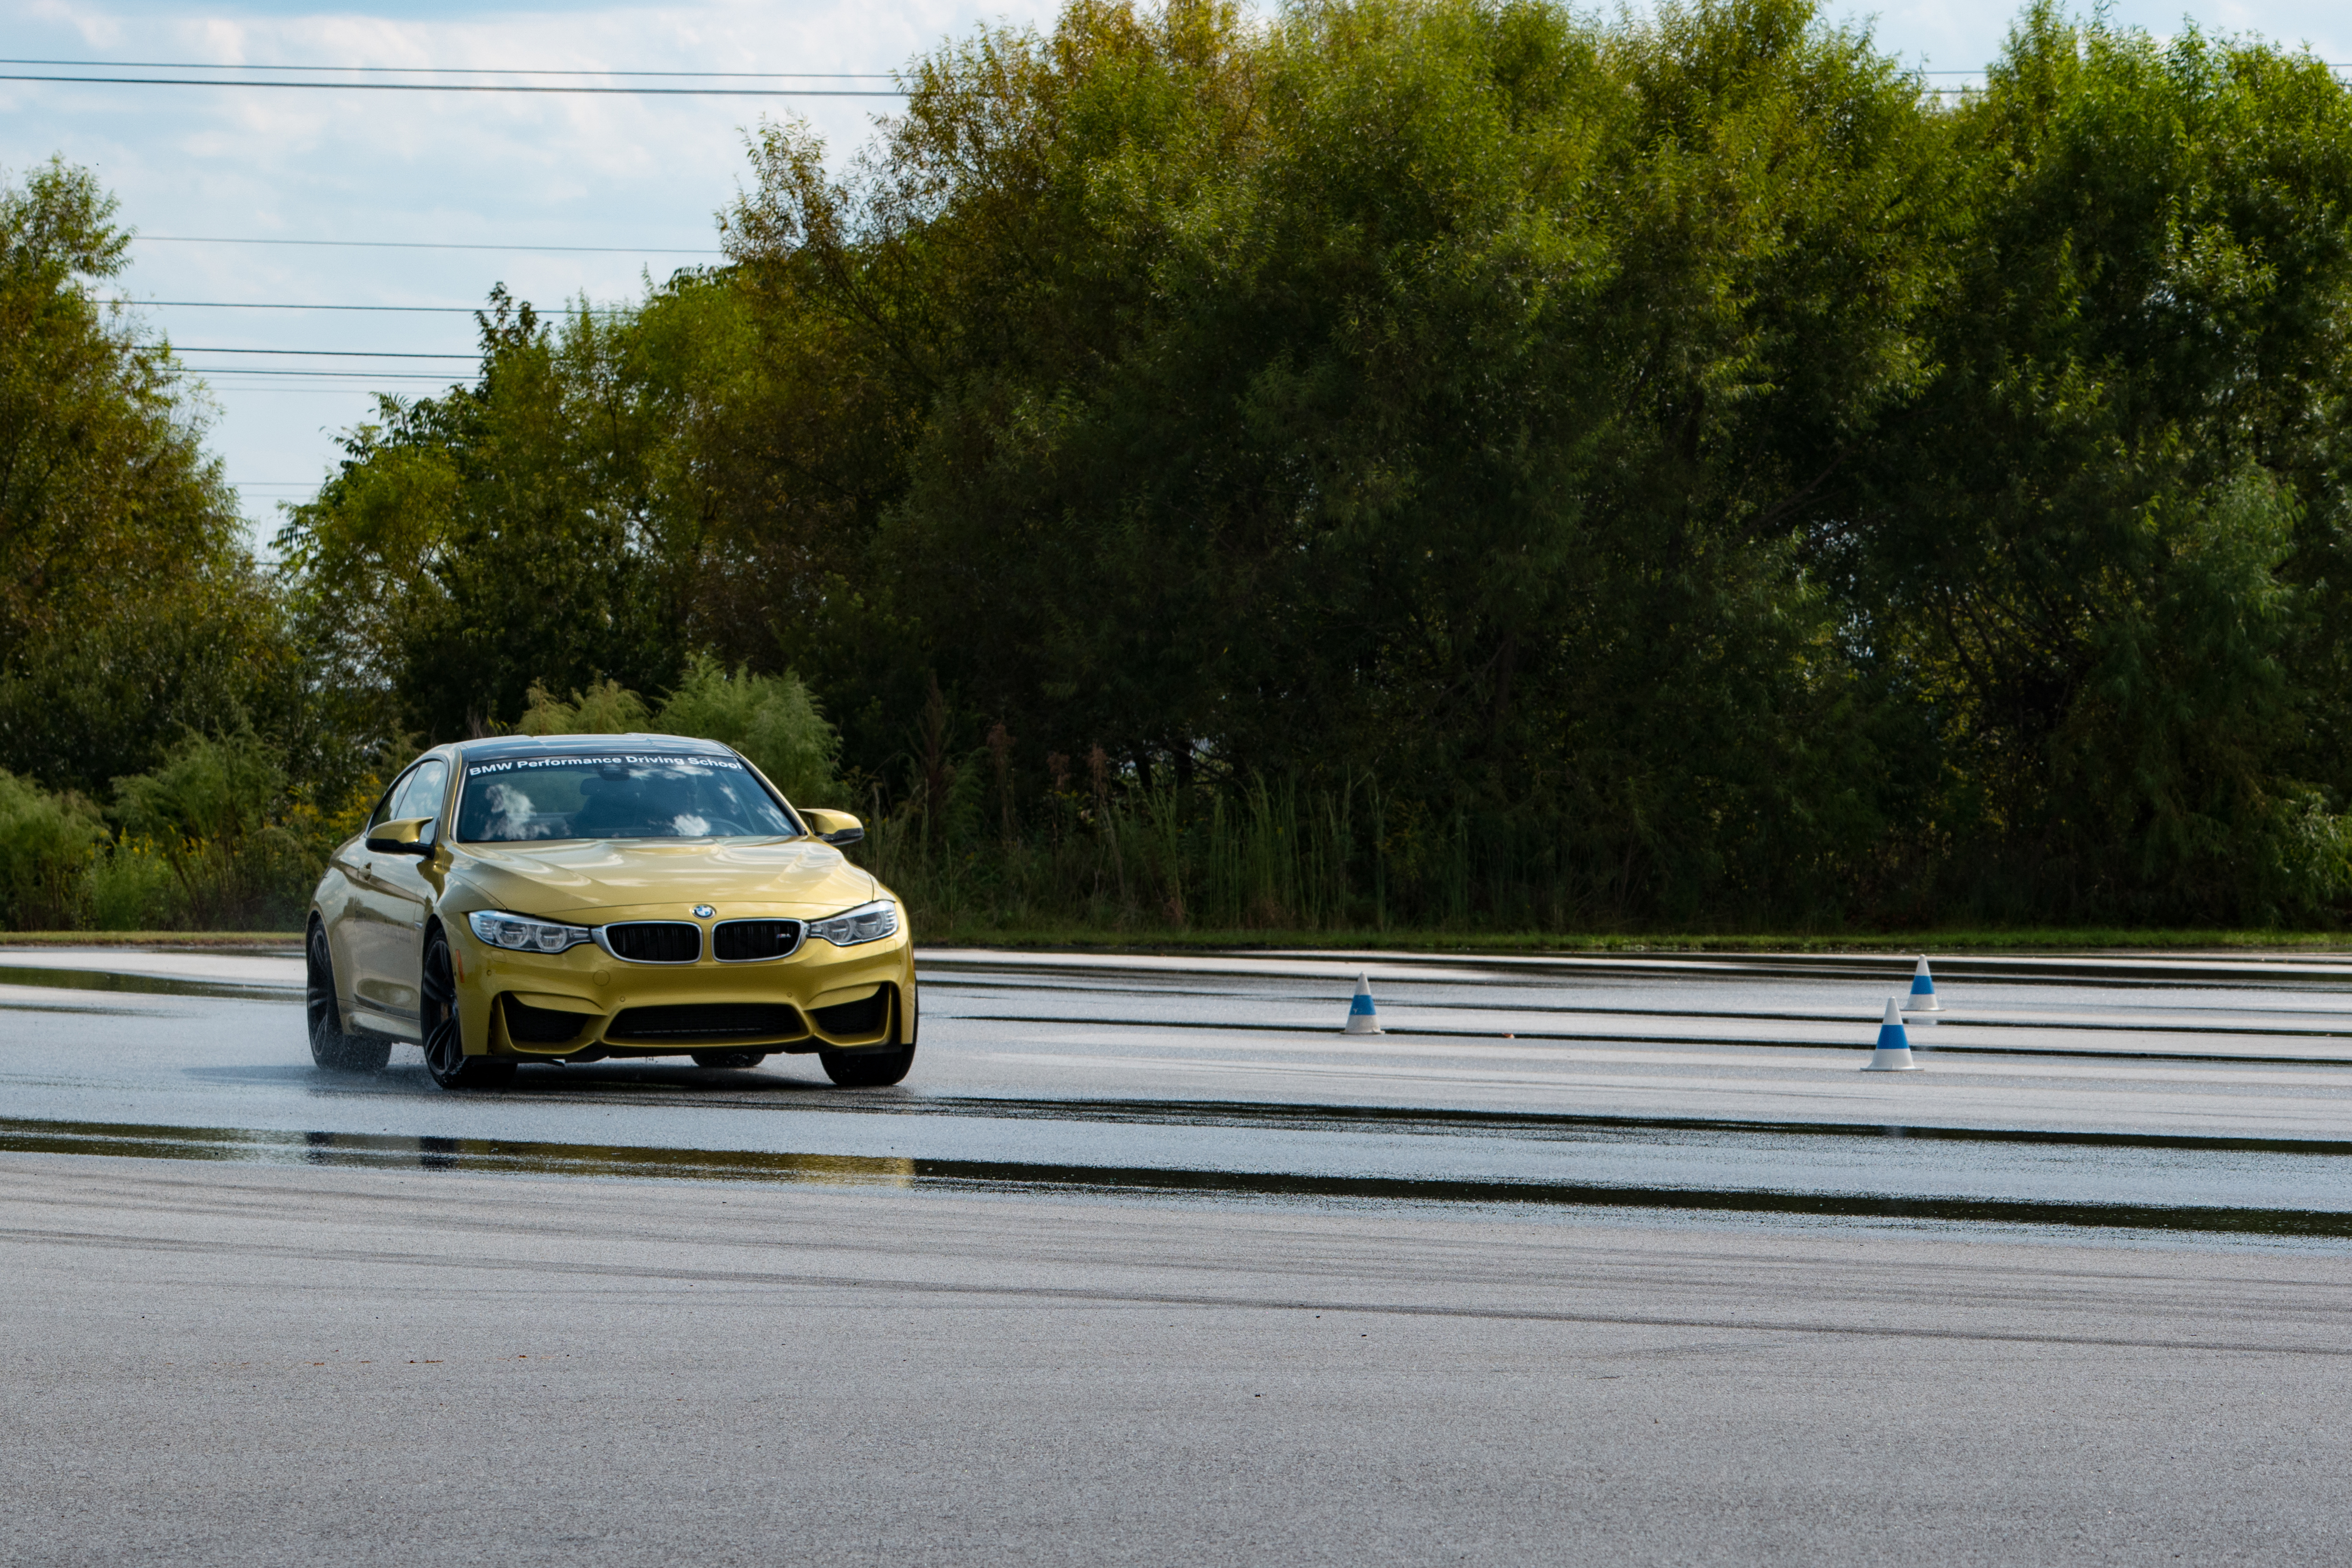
{"type": "Point", "coordinates": [584, 1003]}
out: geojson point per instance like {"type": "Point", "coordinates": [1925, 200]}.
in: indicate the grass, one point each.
{"type": "Point", "coordinates": [1092, 939]}
{"type": "Point", "coordinates": [2036, 940]}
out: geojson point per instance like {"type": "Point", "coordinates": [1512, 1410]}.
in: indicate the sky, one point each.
{"type": "Point", "coordinates": [631, 185]}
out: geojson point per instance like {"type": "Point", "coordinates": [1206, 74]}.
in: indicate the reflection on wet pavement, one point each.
{"type": "Point", "coordinates": [498, 1156]}
{"type": "Point", "coordinates": [2201, 1095]}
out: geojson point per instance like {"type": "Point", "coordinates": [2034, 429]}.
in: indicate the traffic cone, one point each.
{"type": "Point", "coordinates": [1922, 1000]}
{"type": "Point", "coordinates": [1362, 1018]}
{"type": "Point", "coordinates": [1894, 1052]}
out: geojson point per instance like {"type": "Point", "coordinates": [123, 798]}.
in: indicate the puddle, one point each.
{"type": "Point", "coordinates": [1540, 1125]}
{"type": "Point", "coordinates": [2335, 1023]}
{"type": "Point", "coordinates": [145, 984]}
{"type": "Point", "coordinates": [84, 1010]}
{"type": "Point", "coordinates": [1729, 1042]}
{"type": "Point", "coordinates": [515, 1157]}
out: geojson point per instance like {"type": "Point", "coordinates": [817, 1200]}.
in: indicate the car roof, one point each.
{"type": "Point", "coordinates": [501, 746]}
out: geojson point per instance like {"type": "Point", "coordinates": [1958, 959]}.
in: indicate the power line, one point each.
{"type": "Point", "coordinates": [327, 353]}
{"type": "Point", "coordinates": [300, 388]}
{"type": "Point", "coordinates": [355, 377]}
{"type": "Point", "coordinates": [538, 70]}
{"type": "Point", "coordinates": [471, 87]}
{"type": "Point", "coordinates": [461, 71]}
{"type": "Point", "coordinates": [2333, 65]}
{"type": "Point", "coordinates": [418, 245]}
{"type": "Point", "coordinates": [415, 310]}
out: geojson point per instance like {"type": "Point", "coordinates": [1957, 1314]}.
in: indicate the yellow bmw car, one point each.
{"type": "Point", "coordinates": [574, 898]}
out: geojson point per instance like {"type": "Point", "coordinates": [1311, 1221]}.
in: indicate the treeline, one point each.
{"type": "Point", "coordinates": [1409, 462]}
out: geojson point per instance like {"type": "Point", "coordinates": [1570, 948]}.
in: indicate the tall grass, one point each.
{"type": "Point", "coordinates": [1264, 854]}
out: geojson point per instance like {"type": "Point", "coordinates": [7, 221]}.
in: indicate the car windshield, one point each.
{"type": "Point", "coordinates": [634, 794]}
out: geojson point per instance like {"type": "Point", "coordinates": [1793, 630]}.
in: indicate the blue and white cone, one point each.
{"type": "Point", "coordinates": [1894, 1052]}
{"type": "Point", "coordinates": [1922, 1000]}
{"type": "Point", "coordinates": [1362, 1018]}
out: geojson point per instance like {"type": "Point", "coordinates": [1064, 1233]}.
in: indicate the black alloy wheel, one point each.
{"type": "Point", "coordinates": [866, 1070]}
{"type": "Point", "coordinates": [869, 1068]}
{"type": "Point", "coordinates": [737, 1060]}
{"type": "Point", "coordinates": [876, 1068]}
{"type": "Point", "coordinates": [332, 1050]}
{"type": "Point", "coordinates": [444, 1044]}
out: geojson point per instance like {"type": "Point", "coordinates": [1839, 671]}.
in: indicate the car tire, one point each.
{"type": "Point", "coordinates": [444, 1042]}
{"type": "Point", "coordinates": [736, 1059]}
{"type": "Point", "coordinates": [331, 1048]}
{"type": "Point", "coordinates": [866, 1070]}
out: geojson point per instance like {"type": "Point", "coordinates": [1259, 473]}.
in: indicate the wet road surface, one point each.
{"type": "Point", "coordinates": [1619, 1260]}
{"type": "Point", "coordinates": [2175, 1093]}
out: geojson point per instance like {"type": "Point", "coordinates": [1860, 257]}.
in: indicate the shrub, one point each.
{"type": "Point", "coordinates": [130, 887]}
{"type": "Point", "coordinates": [771, 718]}
{"type": "Point", "coordinates": [212, 811]}
{"type": "Point", "coordinates": [46, 843]}
{"type": "Point", "coordinates": [610, 708]}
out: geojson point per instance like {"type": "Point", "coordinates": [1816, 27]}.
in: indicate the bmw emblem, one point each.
{"type": "Point", "coordinates": [703, 911]}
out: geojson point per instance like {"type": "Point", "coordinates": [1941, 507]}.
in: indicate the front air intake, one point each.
{"type": "Point", "coordinates": [654, 942]}
{"type": "Point", "coordinates": [845, 1020]}
{"type": "Point", "coordinates": [698, 1021]}
{"type": "Point", "coordinates": [748, 942]}
{"type": "Point", "coordinates": [530, 1025]}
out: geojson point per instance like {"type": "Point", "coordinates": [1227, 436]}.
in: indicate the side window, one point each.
{"type": "Point", "coordinates": [417, 793]}
{"type": "Point", "coordinates": [427, 786]}
{"type": "Point", "coordinates": [383, 812]}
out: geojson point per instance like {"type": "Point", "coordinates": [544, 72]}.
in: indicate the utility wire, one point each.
{"type": "Point", "coordinates": [351, 375]}
{"type": "Point", "coordinates": [460, 70]}
{"type": "Point", "coordinates": [414, 309]}
{"type": "Point", "coordinates": [1980, 70]}
{"type": "Point", "coordinates": [329, 353]}
{"type": "Point", "coordinates": [471, 87]}
{"type": "Point", "coordinates": [418, 245]}
{"type": "Point", "coordinates": [1981, 86]}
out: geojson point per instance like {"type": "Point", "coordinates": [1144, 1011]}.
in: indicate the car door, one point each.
{"type": "Point", "coordinates": [392, 897]}
{"type": "Point", "coordinates": [346, 913]}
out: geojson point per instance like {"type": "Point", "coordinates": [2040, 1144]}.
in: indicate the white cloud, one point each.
{"type": "Point", "coordinates": [474, 168]}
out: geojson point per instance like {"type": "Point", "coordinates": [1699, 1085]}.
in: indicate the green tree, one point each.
{"type": "Point", "coordinates": [1436, 389]}
{"type": "Point", "coordinates": [2103, 548]}
{"type": "Point", "coordinates": [540, 524]}
{"type": "Point", "coordinates": [129, 604]}
{"type": "Point", "coordinates": [1656, 467]}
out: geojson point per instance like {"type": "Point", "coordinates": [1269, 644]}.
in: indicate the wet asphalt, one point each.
{"type": "Point", "coordinates": [2176, 1092]}
{"type": "Point", "coordinates": [1618, 1261]}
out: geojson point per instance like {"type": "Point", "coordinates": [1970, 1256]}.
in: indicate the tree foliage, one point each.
{"type": "Point", "coordinates": [769, 718]}
{"type": "Point", "coordinates": [129, 605]}
{"type": "Point", "coordinates": [1662, 468]}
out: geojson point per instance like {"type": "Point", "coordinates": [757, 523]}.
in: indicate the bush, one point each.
{"type": "Point", "coordinates": [610, 708]}
{"type": "Point", "coordinates": [46, 843]}
{"type": "Point", "coordinates": [771, 718]}
{"type": "Point", "coordinates": [214, 811]}
{"type": "Point", "coordinates": [130, 887]}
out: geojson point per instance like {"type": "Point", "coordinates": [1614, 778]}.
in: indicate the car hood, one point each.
{"type": "Point", "coordinates": [585, 877]}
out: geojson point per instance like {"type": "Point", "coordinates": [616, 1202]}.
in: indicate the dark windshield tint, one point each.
{"type": "Point", "coordinates": [634, 794]}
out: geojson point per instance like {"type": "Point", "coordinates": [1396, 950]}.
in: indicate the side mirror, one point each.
{"type": "Point", "coordinates": [410, 835]}
{"type": "Point", "coordinates": [836, 827]}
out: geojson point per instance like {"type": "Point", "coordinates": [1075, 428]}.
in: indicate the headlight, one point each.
{"type": "Point", "coordinates": [523, 934]}
{"type": "Point", "coordinates": [866, 922]}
